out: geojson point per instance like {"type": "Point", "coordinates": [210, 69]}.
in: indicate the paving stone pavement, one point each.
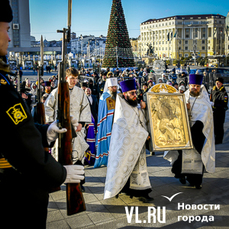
{"type": "Point", "coordinates": [111, 213]}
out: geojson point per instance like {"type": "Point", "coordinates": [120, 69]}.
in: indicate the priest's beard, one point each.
{"type": "Point", "coordinates": [113, 94]}
{"type": "Point", "coordinates": [194, 93]}
{"type": "Point", "coordinates": [131, 102]}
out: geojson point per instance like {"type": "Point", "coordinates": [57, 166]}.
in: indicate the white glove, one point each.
{"type": "Point", "coordinates": [74, 173]}
{"type": "Point", "coordinates": [53, 131]}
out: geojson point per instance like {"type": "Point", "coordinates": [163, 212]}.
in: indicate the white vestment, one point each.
{"type": "Point", "coordinates": [79, 109]}
{"type": "Point", "coordinates": [127, 157]}
{"type": "Point", "coordinates": [201, 110]}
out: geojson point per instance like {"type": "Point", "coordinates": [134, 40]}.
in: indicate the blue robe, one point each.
{"type": "Point", "coordinates": [104, 127]}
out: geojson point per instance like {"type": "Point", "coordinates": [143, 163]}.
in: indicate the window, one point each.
{"type": "Point", "coordinates": [203, 41]}
{"type": "Point", "coordinates": [209, 32]}
{"type": "Point", "coordinates": [195, 33]}
{"type": "Point", "coordinates": [186, 42]}
{"type": "Point", "coordinates": [203, 47]}
{"type": "Point", "coordinates": [186, 48]}
{"type": "Point", "coordinates": [209, 47]}
{"type": "Point", "coordinates": [203, 32]}
{"type": "Point", "coordinates": [187, 33]}
{"type": "Point", "coordinates": [179, 48]}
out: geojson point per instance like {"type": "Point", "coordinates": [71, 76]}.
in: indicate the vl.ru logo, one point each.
{"type": "Point", "coordinates": [154, 214]}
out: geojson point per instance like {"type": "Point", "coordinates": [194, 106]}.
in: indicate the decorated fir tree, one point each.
{"type": "Point", "coordinates": [118, 52]}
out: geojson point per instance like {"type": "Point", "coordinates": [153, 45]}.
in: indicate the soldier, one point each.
{"type": "Point", "coordinates": [26, 170]}
{"type": "Point", "coordinates": [220, 98]}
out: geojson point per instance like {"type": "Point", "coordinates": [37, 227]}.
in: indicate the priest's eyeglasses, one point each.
{"type": "Point", "coordinates": [133, 93]}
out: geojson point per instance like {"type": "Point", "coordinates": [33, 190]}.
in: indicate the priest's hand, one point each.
{"type": "Point", "coordinates": [188, 106]}
{"type": "Point", "coordinates": [74, 122]}
{"type": "Point", "coordinates": [79, 127]}
{"type": "Point", "coordinates": [143, 104]}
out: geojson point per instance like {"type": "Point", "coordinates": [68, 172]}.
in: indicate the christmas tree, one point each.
{"type": "Point", "coordinates": [118, 52]}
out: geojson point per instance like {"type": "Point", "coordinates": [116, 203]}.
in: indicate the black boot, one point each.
{"type": "Point", "coordinates": [182, 180]}
{"type": "Point", "coordinates": [146, 199]}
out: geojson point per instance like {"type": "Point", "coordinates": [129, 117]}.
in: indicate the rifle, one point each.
{"type": "Point", "coordinates": [75, 200]}
{"type": "Point", "coordinates": [39, 110]}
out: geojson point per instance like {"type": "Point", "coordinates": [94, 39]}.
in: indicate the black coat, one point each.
{"type": "Point", "coordinates": [219, 97]}
{"type": "Point", "coordinates": [33, 170]}
{"type": "Point", "coordinates": [19, 127]}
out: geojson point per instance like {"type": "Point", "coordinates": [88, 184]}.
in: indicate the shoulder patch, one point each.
{"type": "Point", "coordinates": [17, 113]}
{"type": "Point", "coordinates": [110, 103]}
{"type": "Point", "coordinates": [3, 82]}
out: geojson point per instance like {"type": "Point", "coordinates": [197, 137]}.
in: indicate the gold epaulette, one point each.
{"type": "Point", "coordinates": [4, 164]}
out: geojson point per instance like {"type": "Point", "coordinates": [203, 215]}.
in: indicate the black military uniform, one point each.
{"type": "Point", "coordinates": [26, 170]}
{"type": "Point", "coordinates": [220, 99]}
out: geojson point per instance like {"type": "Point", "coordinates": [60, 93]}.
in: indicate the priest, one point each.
{"type": "Point", "coordinates": [105, 121]}
{"type": "Point", "coordinates": [127, 168]}
{"type": "Point", "coordinates": [189, 165]}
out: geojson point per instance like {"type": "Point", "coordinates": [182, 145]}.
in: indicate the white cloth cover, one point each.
{"type": "Point", "coordinates": [127, 157]}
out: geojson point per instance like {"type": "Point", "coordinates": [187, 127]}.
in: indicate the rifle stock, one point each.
{"type": "Point", "coordinates": [75, 199]}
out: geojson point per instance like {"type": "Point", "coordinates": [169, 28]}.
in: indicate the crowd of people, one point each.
{"type": "Point", "coordinates": [97, 94]}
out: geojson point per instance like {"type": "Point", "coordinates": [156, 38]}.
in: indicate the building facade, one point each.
{"type": "Point", "coordinates": [88, 46]}
{"type": "Point", "coordinates": [184, 35]}
{"type": "Point", "coordinates": [19, 31]}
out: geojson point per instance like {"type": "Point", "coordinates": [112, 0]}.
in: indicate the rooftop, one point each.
{"type": "Point", "coordinates": [185, 17]}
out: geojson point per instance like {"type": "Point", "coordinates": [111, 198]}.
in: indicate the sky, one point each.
{"type": "Point", "coordinates": [91, 17]}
